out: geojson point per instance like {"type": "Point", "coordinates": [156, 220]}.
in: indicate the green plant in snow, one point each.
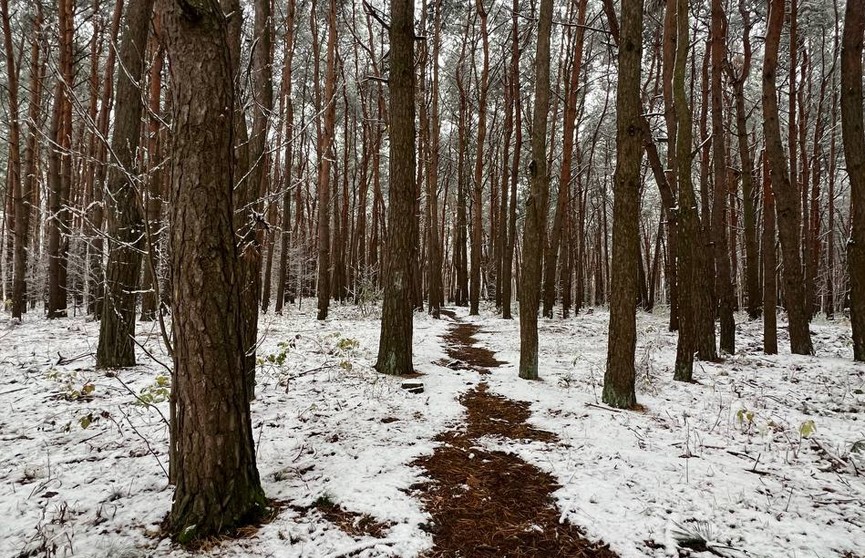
{"type": "Point", "coordinates": [807, 428]}
{"type": "Point", "coordinates": [157, 392]}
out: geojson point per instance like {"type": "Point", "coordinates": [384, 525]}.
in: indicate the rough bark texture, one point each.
{"type": "Point", "coordinates": [126, 236]}
{"type": "Point", "coordinates": [394, 352]}
{"type": "Point", "coordinates": [854, 153]}
{"type": "Point", "coordinates": [786, 196]}
{"type": "Point", "coordinates": [620, 373]}
{"type": "Point", "coordinates": [536, 204]}
{"type": "Point", "coordinates": [217, 481]}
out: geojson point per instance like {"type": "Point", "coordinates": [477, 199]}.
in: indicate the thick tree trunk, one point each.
{"type": "Point", "coordinates": [786, 194]}
{"type": "Point", "coordinates": [217, 481]}
{"type": "Point", "coordinates": [395, 344]}
{"type": "Point", "coordinates": [126, 236]}
{"type": "Point", "coordinates": [620, 373]}
{"type": "Point", "coordinates": [854, 153]}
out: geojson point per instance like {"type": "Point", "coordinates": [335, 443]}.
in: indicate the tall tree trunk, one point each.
{"type": "Point", "coordinates": [58, 165]}
{"type": "Point", "coordinates": [786, 195]}
{"type": "Point", "coordinates": [288, 177]}
{"type": "Point", "coordinates": [536, 204]}
{"type": "Point", "coordinates": [620, 373]}
{"type": "Point", "coordinates": [13, 179]}
{"type": "Point", "coordinates": [688, 239]}
{"type": "Point", "coordinates": [511, 240]}
{"type": "Point", "coordinates": [854, 154]}
{"type": "Point", "coordinates": [250, 188]}
{"type": "Point", "coordinates": [97, 273]}
{"type": "Point", "coordinates": [436, 293]}
{"type": "Point", "coordinates": [154, 194]}
{"type": "Point", "coordinates": [327, 156]}
{"type": "Point", "coordinates": [395, 344]}
{"type": "Point", "coordinates": [478, 182]}
{"type": "Point", "coordinates": [29, 183]}
{"type": "Point", "coordinates": [218, 486]}
{"type": "Point", "coordinates": [669, 61]}
{"type": "Point", "coordinates": [738, 77]}
{"type": "Point", "coordinates": [569, 127]}
{"type": "Point", "coordinates": [125, 220]}
{"type": "Point", "coordinates": [723, 282]}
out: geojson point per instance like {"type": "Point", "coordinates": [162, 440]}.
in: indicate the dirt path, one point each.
{"type": "Point", "coordinates": [491, 503]}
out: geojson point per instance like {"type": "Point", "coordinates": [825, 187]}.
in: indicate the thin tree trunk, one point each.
{"type": "Point", "coordinates": [116, 347]}
{"type": "Point", "coordinates": [786, 195]}
{"type": "Point", "coordinates": [723, 282]}
{"type": "Point", "coordinates": [770, 286]}
{"type": "Point", "coordinates": [536, 204]}
{"type": "Point", "coordinates": [689, 270]}
{"type": "Point", "coordinates": [13, 178]}
{"type": "Point", "coordinates": [327, 155]}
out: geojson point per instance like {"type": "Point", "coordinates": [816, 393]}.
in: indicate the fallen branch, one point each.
{"type": "Point", "coordinates": [848, 466]}
{"type": "Point", "coordinates": [348, 551]}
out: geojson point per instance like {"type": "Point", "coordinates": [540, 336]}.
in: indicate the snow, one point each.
{"type": "Point", "coordinates": [728, 451]}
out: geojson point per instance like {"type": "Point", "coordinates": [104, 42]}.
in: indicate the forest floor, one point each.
{"type": "Point", "coordinates": [763, 457]}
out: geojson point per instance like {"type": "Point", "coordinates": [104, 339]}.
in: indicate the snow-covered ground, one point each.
{"type": "Point", "coordinates": [760, 453]}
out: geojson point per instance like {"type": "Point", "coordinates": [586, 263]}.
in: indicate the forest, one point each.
{"type": "Point", "coordinates": [432, 278]}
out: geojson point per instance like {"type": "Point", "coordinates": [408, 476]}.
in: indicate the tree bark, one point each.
{"type": "Point", "coordinates": [753, 294]}
{"type": "Point", "coordinates": [689, 269]}
{"type": "Point", "coordinates": [620, 373]}
{"type": "Point", "coordinates": [723, 282]}
{"type": "Point", "coordinates": [395, 344]}
{"type": "Point", "coordinates": [13, 179]}
{"type": "Point", "coordinates": [326, 157]}
{"type": "Point", "coordinates": [536, 204]}
{"type": "Point", "coordinates": [854, 154]}
{"type": "Point", "coordinates": [218, 485]}
{"type": "Point", "coordinates": [478, 182]}
{"type": "Point", "coordinates": [786, 195]}
{"type": "Point", "coordinates": [126, 236]}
